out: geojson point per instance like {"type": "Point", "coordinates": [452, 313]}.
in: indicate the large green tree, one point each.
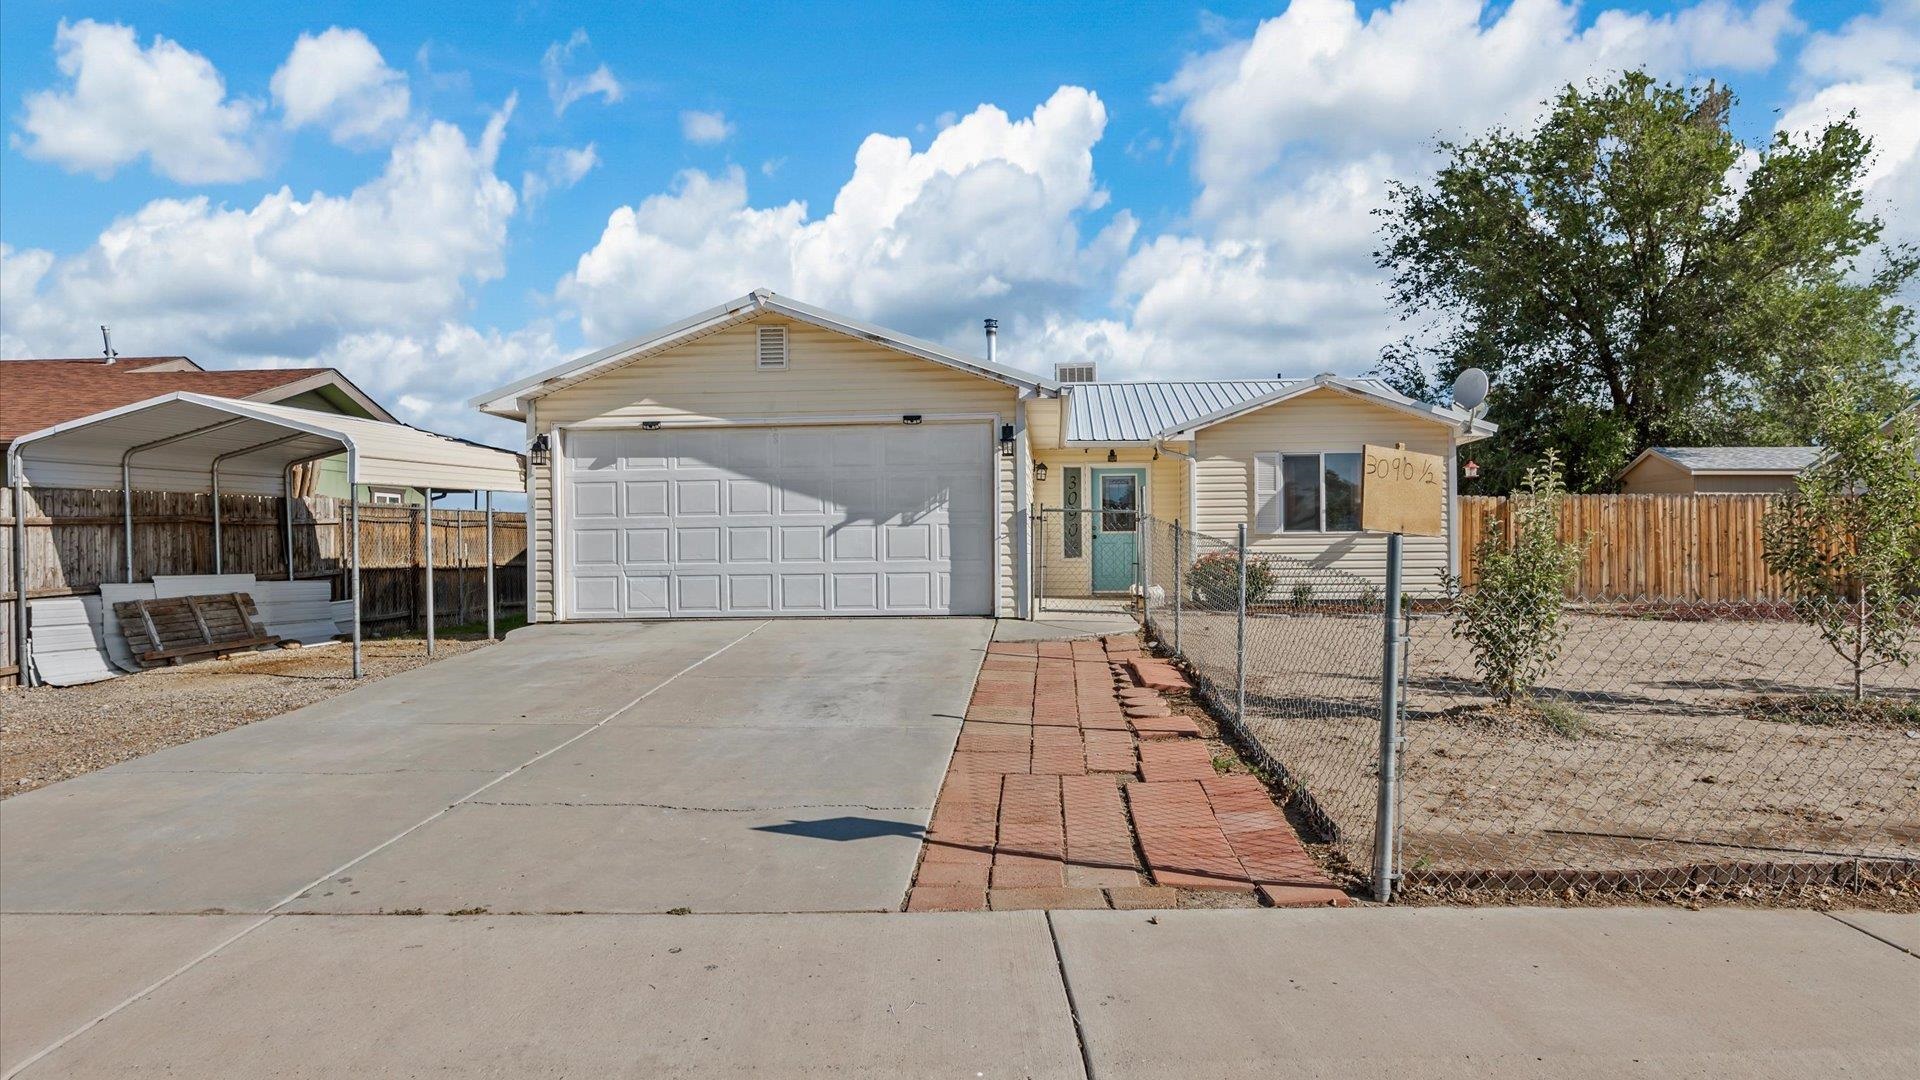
{"type": "Point", "coordinates": [1632, 275]}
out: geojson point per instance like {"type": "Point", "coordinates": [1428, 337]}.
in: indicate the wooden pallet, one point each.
{"type": "Point", "coordinates": [180, 628]}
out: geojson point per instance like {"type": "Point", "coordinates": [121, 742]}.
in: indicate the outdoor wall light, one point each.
{"type": "Point", "coordinates": [1040, 471]}
{"type": "Point", "coordinates": [1113, 456]}
{"type": "Point", "coordinates": [649, 425]}
{"type": "Point", "coordinates": [910, 419]}
{"type": "Point", "coordinates": [541, 452]}
{"type": "Point", "coordinates": [1006, 440]}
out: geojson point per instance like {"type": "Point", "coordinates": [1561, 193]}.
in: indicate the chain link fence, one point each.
{"type": "Point", "coordinates": [1664, 746]}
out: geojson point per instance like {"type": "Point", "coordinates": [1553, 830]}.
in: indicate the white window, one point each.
{"type": "Point", "coordinates": [1316, 492]}
{"type": "Point", "coordinates": [380, 497]}
{"type": "Point", "coordinates": [771, 348]}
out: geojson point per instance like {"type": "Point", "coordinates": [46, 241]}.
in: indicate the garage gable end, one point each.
{"type": "Point", "coordinates": [759, 305]}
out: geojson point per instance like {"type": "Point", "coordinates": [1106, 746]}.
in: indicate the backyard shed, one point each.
{"type": "Point", "coordinates": [187, 442]}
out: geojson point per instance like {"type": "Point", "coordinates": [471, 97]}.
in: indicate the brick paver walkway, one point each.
{"type": "Point", "coordinates": [1069, 753]}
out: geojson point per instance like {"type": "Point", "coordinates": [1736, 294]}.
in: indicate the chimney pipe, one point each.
{"type": "Point", "coordinates": [993, 340]}
{"type": "Point", "coordinates": [106, 343]}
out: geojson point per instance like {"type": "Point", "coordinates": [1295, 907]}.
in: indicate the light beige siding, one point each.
{"type": "Point", "coordinates": [1325, 421]}
{"type": "Point", "coordinates": [1743, 485]}
{"type": "Point", "coordinates": [1166, 478]}
{"type": "Point", "coordinates": [829, 375]}
{"type": "Point", "coordinates": [1655, 475]}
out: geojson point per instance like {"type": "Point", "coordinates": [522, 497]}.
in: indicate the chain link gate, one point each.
{"type": "Point", "coordinates": [1088, 561]}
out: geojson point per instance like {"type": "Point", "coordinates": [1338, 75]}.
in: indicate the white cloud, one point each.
{"type": "Point", "coordinates": [566, 89]}
{"type": "Point", "coordinates": [123, 101]}
{"type": "Point", "coordinates": [705, 128]}
{"type": "Point", "coordinates": [338, 80]}
{"type": "Point", "coordinates": [328, 278]}
{"type": "Point", "coordinates": [985, 218]}
{"type": "Point", "coordinates": [563, 167]}
{"type": "Point", "coordinates": [1295, 132]}
{"type": "Point", "coordinates": [1870, 67]}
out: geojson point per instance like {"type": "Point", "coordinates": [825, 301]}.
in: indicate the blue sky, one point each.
{"type": "Point", "coordinates": [407, 191]}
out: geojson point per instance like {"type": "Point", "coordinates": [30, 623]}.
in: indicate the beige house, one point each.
{"type": "Point", "coordinates": [1716, 470]}
{"type": "Point", "coordinates": [766, 457]}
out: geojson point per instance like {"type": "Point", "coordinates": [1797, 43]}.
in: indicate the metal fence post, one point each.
{"type": "Point", "coordinates": [1040, 562]}
{"type": "Point", "coordinates": [1177, 589]}
{"type": "Point", "coordinates": [1385, 804]}
{"type": "Point", "coordinates": [1240, 638]}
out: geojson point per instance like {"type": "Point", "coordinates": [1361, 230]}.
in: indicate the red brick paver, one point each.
{"type": "Point", "coordinates": [1033, 813]}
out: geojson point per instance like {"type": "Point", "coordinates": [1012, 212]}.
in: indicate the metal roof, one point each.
{"type": "Point", "coordinates": [1770, 459]}
{"type": "Point", "coordinates": [175, 440]}
{"type": "Point", "coordinates": [1140, 412]}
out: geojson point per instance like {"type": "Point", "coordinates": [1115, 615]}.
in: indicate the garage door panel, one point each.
{"type": "Point", "coordinates": [646, 546]}
{"type": "Point", "coordinates": [645, 498]}
{"type": "Point", "coordinates": [647, 594]}
{"type": "Point", "coordinates": [764, 521]}
{"type": "Point", "coordinates": [596, 547]}
{"type": "Point", "coordinates": [596, 594]}
{"type": "Point", "coordinates": [854, 543]}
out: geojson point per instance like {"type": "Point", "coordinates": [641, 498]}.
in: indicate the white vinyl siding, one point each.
{"type": "Point", "coordinates": [828, 375]}
{"type": "Point", "coordinates": [1229, 488]}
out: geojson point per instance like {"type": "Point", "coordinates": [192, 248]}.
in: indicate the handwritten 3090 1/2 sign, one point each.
{"type": "Point", "coordinates": [1402, 491]}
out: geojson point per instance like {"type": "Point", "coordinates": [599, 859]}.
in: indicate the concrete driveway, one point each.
{"type": "Point", "coordinates": [714, 766]}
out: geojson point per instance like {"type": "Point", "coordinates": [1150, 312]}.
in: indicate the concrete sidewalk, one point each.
{"type": "Point", "coordinates": [1509, 992]}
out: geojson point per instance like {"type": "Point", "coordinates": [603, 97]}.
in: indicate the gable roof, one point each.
{"type": "Point", "coordinates": [509, 400]}
{"type": "Point", "coordinates": [1372, 390]}
{"type": "Point", "coordinates": [36, 394]}
{"type": "Point", "coordinates": [1766, 460]}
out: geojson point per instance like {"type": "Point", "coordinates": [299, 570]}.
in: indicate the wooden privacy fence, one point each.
{"type": "Point", "coordinates": [1679, 547]}
{"type": "Point", "coordinates": [74, 544]}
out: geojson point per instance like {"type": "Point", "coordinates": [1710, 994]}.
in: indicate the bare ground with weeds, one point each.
{"type": "Point", "coordinates": [51, 733]}
{"type": "Point", "coordinates": [1650, 751]}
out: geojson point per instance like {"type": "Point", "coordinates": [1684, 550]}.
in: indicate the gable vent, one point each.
{"type": "Point", "coordinates": [1073, 372]}
{"type": "Point", "coordinates": [771, 354]}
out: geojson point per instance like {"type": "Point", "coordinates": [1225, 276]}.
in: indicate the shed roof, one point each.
{"type": "Point", "coordinates": [257, 440]}
{"type": "Point", "coordinates": [1736, 459]}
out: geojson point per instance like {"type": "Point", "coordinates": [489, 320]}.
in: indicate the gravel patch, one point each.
{"type": "Point", "coordinates": [49, 733]}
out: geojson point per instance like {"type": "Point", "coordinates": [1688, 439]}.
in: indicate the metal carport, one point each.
{"type": "Point", "coordinates": [198, 443]}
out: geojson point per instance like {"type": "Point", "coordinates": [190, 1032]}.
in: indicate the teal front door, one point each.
{"type": "Point", "coordinates": [1116, 528]}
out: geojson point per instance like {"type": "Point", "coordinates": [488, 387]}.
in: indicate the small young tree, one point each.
{"type": "Point", "coordinates": [1512, 615]}
{"type": "Point", "coordinates": [1848, 539]}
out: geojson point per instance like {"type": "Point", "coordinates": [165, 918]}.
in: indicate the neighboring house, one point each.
{"type": "Point", "coordinates": [767, 457]}
{"type": "Point", "coordinates": [36, 394]}
{"type": "Point", "coordinates": [1717, 470]}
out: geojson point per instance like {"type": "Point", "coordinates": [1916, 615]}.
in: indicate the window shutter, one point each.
{"type": "Point", "coordinates": [772, 348]}
{"type": "Point", "coordinates": [1266, 493]}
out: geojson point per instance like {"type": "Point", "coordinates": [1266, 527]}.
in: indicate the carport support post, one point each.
{"type": "Point", "coordinates": [489, 566]}
{"type": "Point", "coordinates": [21, 673]}
{"type": "Point", "coordinates": [1383, 824]}
{"type": "Point", "coordinates": [213, 490]}
{"type": "Point", "coordinates": [426, 517]}
{"type": "Point", "coordinates": [353, 547]}
{"type": "Point", "coordinates": [1240, 638]}
{"type": "Point", "coordinates": [286, 506]}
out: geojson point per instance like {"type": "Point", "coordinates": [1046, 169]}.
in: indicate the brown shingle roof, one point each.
{"type": "Point", "coordinates": [35, 394]}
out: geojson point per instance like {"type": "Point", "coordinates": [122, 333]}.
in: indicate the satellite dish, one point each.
{"type": "Point", "coordinates": [1470, 389]}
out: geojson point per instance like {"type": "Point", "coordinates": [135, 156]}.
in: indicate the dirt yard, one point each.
{"type": "Point", "coordinates": [1657, 764]}
{"type": "Point", "coordinates": [51, 733]}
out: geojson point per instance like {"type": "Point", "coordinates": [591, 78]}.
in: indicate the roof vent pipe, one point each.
{"type": "Point", "coordinates": [106, 343]}
{"type": "Point", "coordinates": [993, 340]}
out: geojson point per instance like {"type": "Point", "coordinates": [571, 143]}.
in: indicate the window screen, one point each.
{"type": "Point", "coordinates": [1300, 492]}
{"type": "Point", "coordinates": [1343, 492]}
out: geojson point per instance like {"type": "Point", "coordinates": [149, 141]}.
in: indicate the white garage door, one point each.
{"type": "Point", "coordinates": [828, 520]}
